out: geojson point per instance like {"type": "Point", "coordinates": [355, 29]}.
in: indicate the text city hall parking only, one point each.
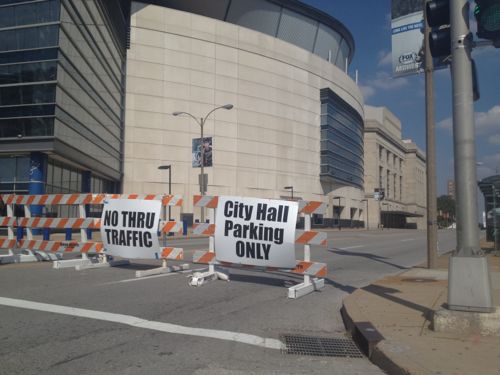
{"type": "Point", "coordinates": [258, 232]}
{"type": "Point", "coordinates": [129, 228]}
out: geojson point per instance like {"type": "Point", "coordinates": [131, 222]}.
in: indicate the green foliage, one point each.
{"type": "Point", "coordinates": [446, 210]}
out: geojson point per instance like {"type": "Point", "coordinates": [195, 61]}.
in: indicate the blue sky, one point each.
{"type": "Point", "coordinates": [369, 22]}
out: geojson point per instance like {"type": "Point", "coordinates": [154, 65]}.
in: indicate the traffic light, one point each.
{"type": "Point", "coordinates": [487, 13]}
{"type": "Point", "coordinates": [382, 194]}
{"type": "Point", "coordinates": [438, 17]}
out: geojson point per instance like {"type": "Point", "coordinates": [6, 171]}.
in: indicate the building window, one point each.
{"type": "Point", "coordinates": [341, 141]}
{"type": "Point", "coordinates": [388, 190]}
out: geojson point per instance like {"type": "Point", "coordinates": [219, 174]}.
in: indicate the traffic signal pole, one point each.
{"type": "Point", "coordinates": [463, 130]}
{"type": "Point", "coordinates": [469, 280]}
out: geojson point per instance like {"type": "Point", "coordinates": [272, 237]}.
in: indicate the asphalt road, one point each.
{"type": "Point", "coordinates": [107, 322]}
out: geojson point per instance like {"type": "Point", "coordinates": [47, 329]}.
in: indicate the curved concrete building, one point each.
{"type": "Point", "coordinates": [297, 119]}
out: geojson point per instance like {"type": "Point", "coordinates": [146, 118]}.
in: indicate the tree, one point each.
{"type": "Point", "coordinates": [446, 210]}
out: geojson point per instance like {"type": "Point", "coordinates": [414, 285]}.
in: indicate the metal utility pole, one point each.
{"type": "Point", "coordinates": [430, 151]}
{"type": "Point", "coordinates": [463, 130]}
{"type": "Point", "coordinates": [469, 282]}
{"type": "Point", "coordinates": [201, 122]}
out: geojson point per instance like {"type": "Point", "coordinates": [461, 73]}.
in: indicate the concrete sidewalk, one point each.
{"type": "Point", "coordinates": [398, 310]}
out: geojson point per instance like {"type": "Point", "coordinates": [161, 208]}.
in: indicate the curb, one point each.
{"type": "Point", "coordinates": [371, 341]}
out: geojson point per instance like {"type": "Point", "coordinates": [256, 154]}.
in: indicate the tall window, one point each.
{"type": "Point", "coordinates": [341, 141]}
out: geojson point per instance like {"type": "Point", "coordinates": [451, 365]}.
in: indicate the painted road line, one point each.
{"type": "Point", "coordinates": [136, 322]}
{"type": "Point", "coordinates": [351, 247]}
{"type": "Point", "coordinates": [408, 239]}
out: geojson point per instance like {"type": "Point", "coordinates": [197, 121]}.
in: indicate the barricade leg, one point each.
{"type": "Point", "coordinates": [103, 261]}
{"type": "Point", "coordinates": [161, 270]}
{"type": "Point", "coordinates": [7, 258]}
{"type": "Point", "coordinates": [308, 285]}
{"type": "Point", "coordinates": [200, 278]}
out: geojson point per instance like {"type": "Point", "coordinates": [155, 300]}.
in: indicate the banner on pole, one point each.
{"type": "Point", "coordinates": [407, 23]}
{"type": "Point", "coordinates": [202, 151]}
{"type": "Point", "coordinates": [256, 232]}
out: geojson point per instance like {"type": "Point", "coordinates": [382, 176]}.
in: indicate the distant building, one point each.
{"type": "Point", "coordinates": [451, 188]}
{"type": "Point", "coordinates": [396, 166]}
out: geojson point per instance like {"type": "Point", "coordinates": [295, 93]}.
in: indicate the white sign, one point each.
{"type": "Point", "coordinates": [257, 232]}
{"type": "Point", "coordinates": [129, 228]}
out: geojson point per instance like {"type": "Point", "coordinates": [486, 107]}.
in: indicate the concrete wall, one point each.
{"type": "Point", "coordinates": [179, 61]}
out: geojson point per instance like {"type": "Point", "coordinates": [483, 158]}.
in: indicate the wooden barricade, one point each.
{"type": "Point", "coordinates": [312, 272]}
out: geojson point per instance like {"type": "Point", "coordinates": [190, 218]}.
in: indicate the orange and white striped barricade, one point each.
{"type": "Point", "coordinates": [15, 255]}
{"type": "Point", "coordinates": [313, 272]}
{"type": "Point", "coordinates": [8, 243]}
{"type": "Point", "coordinates": [308, 238]}
{"type": "Point", "coordinates": [198, 278]}
{"type": "Point", "coordinates": [50, 248]}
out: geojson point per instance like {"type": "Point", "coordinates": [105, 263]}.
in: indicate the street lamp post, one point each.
{"type": "Point", "coordinates": [169, 167]}
{"type": "Point", "coordinates": [289, 188]}
{"type": "Point", "coordinates": [338, 214]}
{"type": "Point", "coordinates": [201, 122]}
{"type": "Point", "coordinates": [367, 218]}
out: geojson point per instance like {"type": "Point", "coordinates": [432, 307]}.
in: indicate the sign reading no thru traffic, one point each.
{"type": "Point", "coordinates": [259, 232]}
{"type": "Point", "coordinates": [129, 228]}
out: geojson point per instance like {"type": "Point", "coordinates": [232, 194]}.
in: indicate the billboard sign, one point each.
{"type": "Point", "coordinates": [129, 228]}
{"type": "Point", "coordinates": [202, 151]}
{"type": "Point", "coordinates": [256, 232]}
{"type": "Point", "coordinates": [407, 23]}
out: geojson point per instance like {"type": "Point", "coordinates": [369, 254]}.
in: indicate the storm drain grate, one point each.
{"type": "Point", "coordinates": [320, 346]}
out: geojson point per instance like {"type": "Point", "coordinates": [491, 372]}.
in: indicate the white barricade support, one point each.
{"type": "Point", "coordinates": [312, 272]}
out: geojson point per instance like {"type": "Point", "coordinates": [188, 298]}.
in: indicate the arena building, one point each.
{"type": "Point", "coordinates": [297, 120]}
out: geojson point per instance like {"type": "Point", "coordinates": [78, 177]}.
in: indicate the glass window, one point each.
{"type": "Point", "coordinates": [27, 127]}
{"type": "Point", "coordinates": [29, 110]}
{"type": "Point", "coordinates": [65, 177]}
{"type": "Point", "coordinates": [24, 56]}
{"type": "Point", "coordinates": [22, 169]}
{"type": "Point", "coordinates": [258, 15]}
{"type": "Point", "coordinates": [327, 43]}
{"type": "Point", "coordinates": [297, 29]}
{"type": "Point", "coordinates": [6, 17]}
{"type": "Point", "coordinates": [31, 37]}
{"type": "Point", "coordinates": [50, 174]}
{"type": "Point", "coordinates": [8, 170]}
{"type": "Point", "coordinates": [31, 72]}
{"type": "Point", "coordinates": [57, 180]}
{"type": "Point", "coordinates": [32, 94]}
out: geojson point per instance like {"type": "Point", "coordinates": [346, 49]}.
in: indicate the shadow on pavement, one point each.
{"type": "Point", "coordinates": [371, 256]}
{"type": "Point", "coordinates": [388, 293]}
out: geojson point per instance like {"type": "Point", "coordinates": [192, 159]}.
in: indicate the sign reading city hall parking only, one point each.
{"type": "Point", "coordinates": [129, 228]}
{"type": "Point", "coordinates": [257, 232]}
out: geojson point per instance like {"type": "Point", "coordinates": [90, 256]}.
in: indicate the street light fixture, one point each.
{"type": "Point", "coordinates": [289, 188]}
{"type": "Point", "coordinates": [201, 122]}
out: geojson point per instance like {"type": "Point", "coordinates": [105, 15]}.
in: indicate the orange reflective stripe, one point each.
{"type": "Point", "coordinates": [306, 237]}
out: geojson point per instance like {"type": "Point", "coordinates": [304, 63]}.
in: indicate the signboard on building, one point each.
{"type": "Point", "coordinates": [407, 23]}
{"type": "Point", "coordinates": [202, 151]}
{"type": "Point", "coordinates": [257, 232]}
{"type": "Point", "coordinates": [129, 228]}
